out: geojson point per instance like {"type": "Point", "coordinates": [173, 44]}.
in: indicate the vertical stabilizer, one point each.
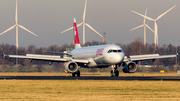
{"type": "Point", "coordinates": [76, 36]}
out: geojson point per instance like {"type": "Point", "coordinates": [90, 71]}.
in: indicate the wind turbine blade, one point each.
{"type": "Point", "coordinates": [71, 28]}
{"type": "Point", "coordinates": [84, 14]}
{"type": "Point", "coordinates": [137, 27]}
{"type": "Point", "coordinates": [67, 30]}
{"type": "Point", "coordinates": [144, 16]}
{"type": "Point", "coordinates": [16, 19]}
{"type": "Point", "coordinates": [93, 29]}
{"type": "Point", "coordinates": [165, 13]}
{"type": "Point", "coordinates": [27, 30]}
{"type": "Point", "coordinates": [8, 29]}
{"type": "Point", "coordinates": [79, 24]}
{"type": "Point", "coordinates": [149, 28]}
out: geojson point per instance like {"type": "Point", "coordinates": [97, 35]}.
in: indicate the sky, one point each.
{"type": "Point", "coordinates": [48, 18]}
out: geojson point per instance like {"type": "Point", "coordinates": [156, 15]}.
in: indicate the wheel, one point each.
{"type": "Point", "coordinates": [117, 73]}
{"type": "Point", "coordinates": [78, 73]}
{"type": "Point", "coordinates": [73, 74]}
{"type": "Point", "coordinates": [123, 70]}
{"type": "Point", "coordinates": [112, 74]}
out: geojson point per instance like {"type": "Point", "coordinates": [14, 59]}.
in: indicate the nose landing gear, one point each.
{"type": "Point", "coordinates": [114, 71]}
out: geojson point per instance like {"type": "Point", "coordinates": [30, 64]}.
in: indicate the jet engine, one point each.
{"type": "Point", "coordinates": [129, 67]}
{"type": "Point", "coordinates": [71, 67]}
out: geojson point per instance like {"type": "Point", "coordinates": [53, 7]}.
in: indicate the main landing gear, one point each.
{"type": "Point", "coordinates": [76, 73]}
{"type": "Point", "coordinates": [114, 71]}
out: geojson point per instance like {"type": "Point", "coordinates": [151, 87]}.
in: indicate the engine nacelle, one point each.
{"type": "Point", "coordinates": [71, 67]}
{"type": "Point", "coordinates": [129, 67]}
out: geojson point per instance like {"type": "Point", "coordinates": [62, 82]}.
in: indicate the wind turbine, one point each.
{"type": "Point", "coordinates": [155, 23]}
{"type": "Point", "coordinates": [17, 25]}
{"type": "Point", "coordinates": [83, 23]}
{"type": "Point", "coordinates": [143, 25]}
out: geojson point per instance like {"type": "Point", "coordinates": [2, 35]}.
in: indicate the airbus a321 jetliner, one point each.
{"type": "Point", "coordinates": [101, 56]}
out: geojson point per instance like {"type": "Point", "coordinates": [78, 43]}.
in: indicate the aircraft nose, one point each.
{"type": "Point", "coordinates": [116, 58]}
{"type": "Point", "coordinates": [119, 58]}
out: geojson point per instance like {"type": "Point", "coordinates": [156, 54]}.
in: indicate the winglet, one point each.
{"type": "Point", "coordinates": [4, 55]}
{"type": "Point", "coordinates": [76, 36]}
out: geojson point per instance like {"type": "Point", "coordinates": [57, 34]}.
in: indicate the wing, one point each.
{"type": "Point", "coordinates": [51, 58]}
{"type": "Point", "coordinates": [147, 57]}
{"type": "Point", "coordinates": [58, 53]}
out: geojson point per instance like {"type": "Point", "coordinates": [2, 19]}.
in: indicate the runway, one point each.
{"type": "Point", "coordinates": [89, 78]}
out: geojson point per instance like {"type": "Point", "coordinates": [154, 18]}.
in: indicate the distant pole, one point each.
{"type": "Point", "coordinates": [176, 56]}
{"type": "Point", "coordinates": [3, 61]}
{"type": "Point", "coordinates": [16, 58]}
{"type": "Point", "coordinates": [103, 38]}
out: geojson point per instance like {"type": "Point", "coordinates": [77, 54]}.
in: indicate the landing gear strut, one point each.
{"type": "Point", "coordinates": [114, 71]}
{"type": "Point", "coordinates": [76, 73]}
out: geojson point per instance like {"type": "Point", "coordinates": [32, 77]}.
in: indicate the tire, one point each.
{"type": "Point", "coordinates": [78, 73]}
{"type": "Point", "coordinates": [117, 73]}
{"type": "Point", "coordinates": [73, 74]}
{"type": "Point", "coordinates": [112, 73]}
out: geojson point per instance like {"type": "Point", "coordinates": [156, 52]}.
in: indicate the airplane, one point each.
{"type": "Point", "coordinates": [100, 56]}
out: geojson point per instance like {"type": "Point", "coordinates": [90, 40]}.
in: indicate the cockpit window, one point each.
{"type": "Point", "coordinates": [114, 51]}
{"type": "Point", "coordinates": [119, 51]}
{"type": "Point", "coordinates": [109, 51]}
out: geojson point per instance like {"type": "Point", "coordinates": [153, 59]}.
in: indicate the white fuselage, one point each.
{"type": "Point", "coordinates": [101, 55]}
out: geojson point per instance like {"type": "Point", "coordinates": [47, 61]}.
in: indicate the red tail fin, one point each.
{"type": "Point", "coordinates": [76, 36]}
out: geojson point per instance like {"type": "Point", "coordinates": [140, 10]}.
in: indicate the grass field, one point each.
{"type": "Point", "coordinates": [96, 90]}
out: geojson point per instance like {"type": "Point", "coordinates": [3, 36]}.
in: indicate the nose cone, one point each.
{"type": "Point", "coordinates": [116, 58]}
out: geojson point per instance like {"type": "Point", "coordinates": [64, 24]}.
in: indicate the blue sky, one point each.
{"type": "Point", "coordinates": [47, 18]}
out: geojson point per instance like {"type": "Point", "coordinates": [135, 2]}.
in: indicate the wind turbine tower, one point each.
{"type": "Point", "coordinates": [155, 23]}
{"type": "Point", "coordinates": [84, 24]}
{"type": "Point", "coordinates": [143, 25]}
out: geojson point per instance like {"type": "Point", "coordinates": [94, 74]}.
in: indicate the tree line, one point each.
{"type": "Point", "coordinates": [134, 48]}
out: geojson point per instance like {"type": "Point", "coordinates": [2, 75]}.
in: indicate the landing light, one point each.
{"type": "Point", "coordinates": [113, 66]}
